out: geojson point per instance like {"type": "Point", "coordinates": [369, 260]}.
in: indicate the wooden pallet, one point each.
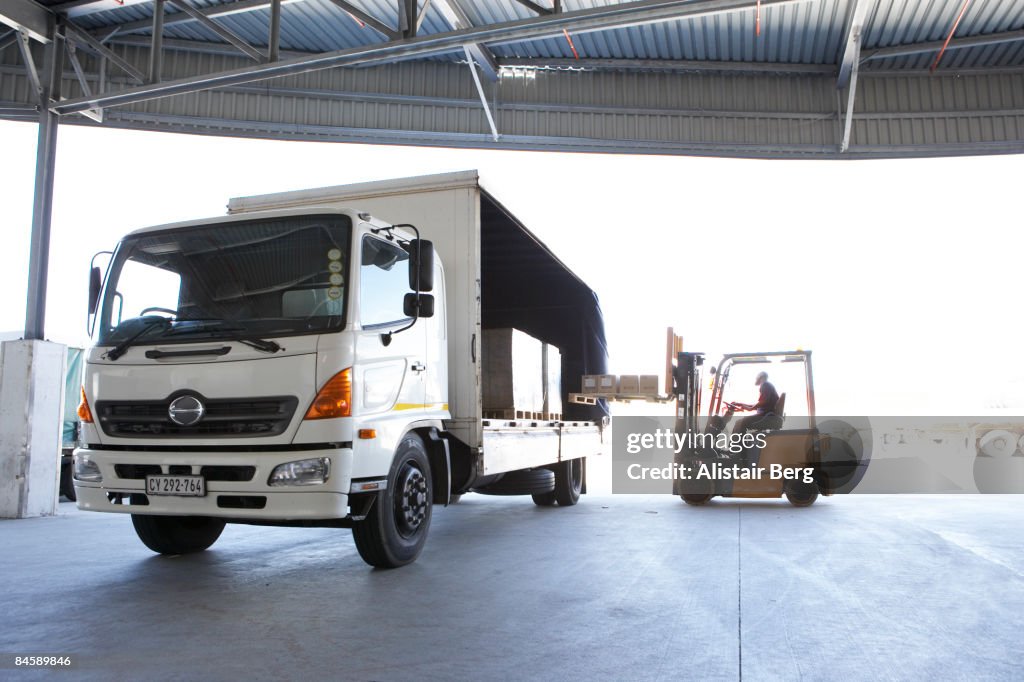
{"type": "Point", "coordinates": [513, 414]}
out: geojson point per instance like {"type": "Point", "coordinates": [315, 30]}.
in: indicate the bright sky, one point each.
{"type": "Point", "coordinates": [901, 276]}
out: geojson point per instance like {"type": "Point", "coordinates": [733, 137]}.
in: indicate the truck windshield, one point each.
{"type": "Point", "coordinates": [271, 277]}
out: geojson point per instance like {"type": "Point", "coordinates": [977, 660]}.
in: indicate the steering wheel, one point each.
{"type": "Point", "coordinates": [158, 310]}
{"type": "Point", "coordinates": [735, 407]}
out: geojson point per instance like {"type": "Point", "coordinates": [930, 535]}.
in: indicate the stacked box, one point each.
{"type": "Point", "coordinates": [629, 384]}
{"type": "Point", "coordinates": [512, 365]}
{"type": "Point", "coordinates": [607, 384]}
{"type": "Point", "coordinates": [552, 380]}
{"type": "Point", "coordinates": [590, 383]}
{"type": "Point", "coordinates": [649, 384]}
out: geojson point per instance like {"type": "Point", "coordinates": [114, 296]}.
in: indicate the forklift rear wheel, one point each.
{"type": "Point", "coordinates": [695, 499]}
{"type": "Point", "coordinates": [803, 496]}
{"type": "Point", "coordinates": [177, 534]}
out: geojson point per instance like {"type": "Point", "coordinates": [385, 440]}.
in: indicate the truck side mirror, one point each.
{"type": "Point", "coordinates": [95, 282]}
{"type": "Point", "coordinates": [421, 265]}
{"type": "Point", "coordinates": [418, 306]}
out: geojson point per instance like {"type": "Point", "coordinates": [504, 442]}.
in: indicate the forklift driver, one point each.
{"type": "Point", "coordinates": [765, 405]}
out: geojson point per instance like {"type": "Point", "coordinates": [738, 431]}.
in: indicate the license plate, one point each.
{"type": "Point", "coordinates": [186, 486]}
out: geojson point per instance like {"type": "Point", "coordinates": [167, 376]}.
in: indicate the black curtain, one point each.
{"type": "Point", "coordinates": [525, 286]}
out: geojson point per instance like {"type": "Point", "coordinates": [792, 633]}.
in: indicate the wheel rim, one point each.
{"type": "Point", "coordinates": [412, 499]}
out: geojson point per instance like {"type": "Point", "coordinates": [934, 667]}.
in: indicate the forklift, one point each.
{"type": "Point", "coordinates": [780, 460]}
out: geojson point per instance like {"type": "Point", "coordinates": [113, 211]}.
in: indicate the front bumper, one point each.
{"type": "Point", "coordinates": [123, 488]}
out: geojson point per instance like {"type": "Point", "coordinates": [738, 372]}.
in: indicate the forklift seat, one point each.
{"type": "Point", "coordinates": [774, 419]}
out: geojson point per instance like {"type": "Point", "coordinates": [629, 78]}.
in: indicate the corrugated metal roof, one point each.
{"type": "Point", "coordinates": [810, 32]}
{"type": "Point", "coordinates": [650, 94]}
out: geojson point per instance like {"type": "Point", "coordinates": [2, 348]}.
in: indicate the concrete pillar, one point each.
{"type": "Point", "coordinates": [31, 413]}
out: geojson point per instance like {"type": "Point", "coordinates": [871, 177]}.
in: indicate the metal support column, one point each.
{"type": "Point", "coordinates": [156, 47]}
{"type": "Point", "coordinates": [274, 39]}
{"type": "Point", "coordinates": [42, 206]}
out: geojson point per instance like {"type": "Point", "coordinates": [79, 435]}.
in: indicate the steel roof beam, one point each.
{"type": "Point", "coordinates": [534, 7]}
{"type": "Point", "coordinates": [368, 19]}
{"type": "Point", "coordinates": [852, 41]}
{"type": "Point", "coordinates": [936, 45]}
{"type": "Point", "coordinates": [86, 40]}
{"type": "Point", "coordinates": [457, 18]}
{"type": "Point", "coordinates": [581, 21]}
{"type": "Point", "coordinates": [94, 114]}
{"type": "Point", "coordinates": [422, 15]}
{"type": "Point", "coordinates": [667, 65]}
{"type": "Point", "coordinates": [199, 46]}
{"type": "Point", "coordinates": [221, 31]}
{"type": "Point", "coordinates": [28, 17]}
{"type": "Point", "coordinates": [8, 39]}
{"type": "Point", "coordinates": [851, 94]}
{"type": "Point", "coordinates": [239, 7]}
{"type": "Point", "coordinates": [483, 97]}
{"type": "Point", "coordinates": [25, 46]}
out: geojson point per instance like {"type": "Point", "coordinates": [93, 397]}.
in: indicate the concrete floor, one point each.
{"type": "Point", "coordinates": [616, 588]}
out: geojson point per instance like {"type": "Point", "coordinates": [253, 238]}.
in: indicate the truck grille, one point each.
{"type": "Point", "coordinates": [224, 418]}
{"type": "Point", "coordinates": [217, 472]}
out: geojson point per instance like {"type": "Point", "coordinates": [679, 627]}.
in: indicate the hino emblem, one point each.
{"type": "Point", "coordinates": [186, 410]}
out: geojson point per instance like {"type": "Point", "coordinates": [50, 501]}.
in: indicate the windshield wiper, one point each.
{"type": "Point", "coordinates": [261, 344]}
{"type": "Point", "coordinates": [120, 349]}
{"type": "Point", "coordinates": [216, 328]}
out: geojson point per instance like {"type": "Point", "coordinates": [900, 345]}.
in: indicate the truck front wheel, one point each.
{"type": "Point", "coordinates": [177, 534]}
{"type": "Point", "coordinates": [394, 531]}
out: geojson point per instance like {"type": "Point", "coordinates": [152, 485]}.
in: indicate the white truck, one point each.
{"type": "Point", "coordinates": [306, 361]}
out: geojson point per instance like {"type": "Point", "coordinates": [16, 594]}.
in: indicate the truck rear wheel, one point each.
{"type": "Point", "coordinates": [395, 530]}
{"type": "Point", "coordinates": [545, 499]}
{"type": "Point", "coordinates": [568, 482]}
{"type": "Point", "coordinates": [177, 534]}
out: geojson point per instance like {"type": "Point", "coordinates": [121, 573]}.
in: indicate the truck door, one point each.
{"type": "Point", "coordinates": [394, 369]}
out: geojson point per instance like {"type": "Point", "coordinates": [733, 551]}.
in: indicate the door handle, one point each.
{"type": "Point", "coordinates": [417, 366]}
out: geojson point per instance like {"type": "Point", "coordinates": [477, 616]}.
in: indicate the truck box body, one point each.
{"type": "Point", "coordinates": [498, 275]}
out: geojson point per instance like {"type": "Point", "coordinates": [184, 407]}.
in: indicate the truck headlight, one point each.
{"type": "Point", "coordinates": [87, 470]}
{"type": "Point", "coordinates": [303, 472]}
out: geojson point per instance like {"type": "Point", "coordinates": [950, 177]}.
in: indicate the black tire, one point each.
{"type": "Point", "coordinates": [177, 534]}
{"type": "Point", "coordinates": [545, 499]}
{"type": "Point", "coordinates": [803, 495]}
{"type": "Point", "coordinates": [521, 482]}
{"type": "Point", "coordinates": [395, 530]}
{"type": "Point", "coordinates": [695, 499]}
{"type": "Point", "coordinates": [568, 482]}
{"type": "Point", "coordinates": [67, 483]}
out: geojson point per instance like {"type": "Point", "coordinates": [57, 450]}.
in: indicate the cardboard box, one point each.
{"type": "Point", "coordinates": [552, 364]}
{"type": "Point", "coordinates": [649, 384]}
{"type": "Point", "coordinates": [512, 365]}
{"type": "Point", "coordinates": [590, 383]}
{"type": "Point", "coordinates": [629, 384]}
{"type": "Point", "coordinates": [607, 383]}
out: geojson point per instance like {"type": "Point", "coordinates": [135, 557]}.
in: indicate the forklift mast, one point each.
{"type": "Point", "coordinates": [687, 389]}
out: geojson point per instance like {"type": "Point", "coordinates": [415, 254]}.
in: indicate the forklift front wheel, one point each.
{"type": "Point", "coordinates": [695, 499]}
